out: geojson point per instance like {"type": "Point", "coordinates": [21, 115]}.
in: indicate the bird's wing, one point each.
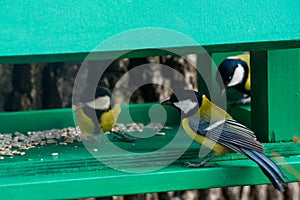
{"type": "Point", "coordinates": [229, 133]}
{"type": "Point", "coordinates": [231, 124]}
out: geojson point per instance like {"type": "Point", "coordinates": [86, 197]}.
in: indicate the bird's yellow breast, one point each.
{"type": "Point", "coordinates": [109, 118]}
{"type": "Point", "coordinates": [248, 83]}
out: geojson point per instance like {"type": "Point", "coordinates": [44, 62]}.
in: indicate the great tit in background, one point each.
{"type": "Point", "coordinates": [98, 115]}
{"type": "Point", "coordinates": [235, 73]}
{"type": "Point", "coordinates": [214, 128]}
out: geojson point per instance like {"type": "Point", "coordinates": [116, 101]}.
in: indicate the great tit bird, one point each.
{"type": "Point", "coordinates": [235, 73]}
{"type": "Point", "coordinates": [214, 128]}
{"type": "Point", "coordinates": [98, 115]}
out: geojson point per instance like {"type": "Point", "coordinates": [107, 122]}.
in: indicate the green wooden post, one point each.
{"type": "Point", "coordinates": [275, 94]}
{"type": "Point", "coordinates": [259, 94]}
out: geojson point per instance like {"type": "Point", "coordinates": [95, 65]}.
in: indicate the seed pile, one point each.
{"type": "Point", "coordinates": [137, 127]}
{"type": "Point", "coordinates": [16, 144]}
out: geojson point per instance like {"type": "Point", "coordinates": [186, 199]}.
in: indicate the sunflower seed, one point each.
{"type": "Point", "coordinates": [51, 141]}
{"type": "Point", "coordinates": [160, 133]}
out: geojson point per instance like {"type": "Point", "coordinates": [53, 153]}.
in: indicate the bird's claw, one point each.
{"type": "Point", "coordinates": [122, 137]}
{"type": "Point", "coordinates": [199, 165]}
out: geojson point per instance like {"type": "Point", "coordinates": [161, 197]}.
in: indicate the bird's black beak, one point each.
{"type": "Point", "coordinates": [166, 102]}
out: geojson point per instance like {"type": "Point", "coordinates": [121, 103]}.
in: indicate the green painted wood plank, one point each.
{"type": "Point", "coordinates": [284, 93]}
{"type": "Point", "coordinates": [153, 51]}
{"type": "Point", "coordinates": [38, 175]}
{"type": "Point", "coordinates": [275, 94]}
{"type": "Point", "coordinates": [35, 120]}
{"type": "Point", "coordinates": [94, 184]}
{"type": "Point", "coordinates": [32, 178]}
{"type": "Point", "coordinates": [38, 29]}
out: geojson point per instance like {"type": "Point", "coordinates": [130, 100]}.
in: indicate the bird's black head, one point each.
{"type": "Point", "coordinates": [92, 108]}
{"type": "Point", "coordinates": [103, 100]}
{"type": "Point", "coordinates": [102, 91]}
{"type": "Point", "coordinates": [232, 71]}
{"type": "Point", "coordinates": [186, 101]}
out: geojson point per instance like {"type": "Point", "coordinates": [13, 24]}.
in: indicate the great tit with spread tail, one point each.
{"type": "Point", "coordinates": [235, 73]}
{"type": "Point", "coordinates": [98, 115]}
{"type": "Point", "coordinates": [214, 128]}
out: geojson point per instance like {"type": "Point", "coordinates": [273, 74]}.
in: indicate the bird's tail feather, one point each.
{"type": "Point", "coordinates": [269, 168]}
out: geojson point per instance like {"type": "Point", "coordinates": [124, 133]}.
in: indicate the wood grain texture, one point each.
{"type": "Point", "coordinates": [76, 168]}
{"type": "Point", "coordinates": [275, 94]}
{"type": "Point", "coordinates": [284, 93]}
{"type": "Point", "coordinates": [68, 28]}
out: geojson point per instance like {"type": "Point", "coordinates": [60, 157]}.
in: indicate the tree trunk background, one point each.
{"type": "Point", "coordinates": [50, 85]}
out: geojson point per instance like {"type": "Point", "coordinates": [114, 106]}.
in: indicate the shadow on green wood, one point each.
{"type": "Point", "coordinates": [40, 175]}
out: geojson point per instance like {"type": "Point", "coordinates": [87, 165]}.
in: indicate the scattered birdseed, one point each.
{"type": "Point", "coordinates": [23, 147]}
{"type": "Point", "coordinates": [167, 127]}
{"type": "Point", "coordinates": [69, 140]}
{"type": "Point", "coordinates": [94, 150]}
{"type": "Point", "coordinates": [16, 152]}
{"type": "Point", "coordinates": [137, 127]}
{"type": "Point", "coordinates": [15, 144]}
{"type": "Point", "coordinates": [51, 141]}
{"type": "Point", "coordinates": [296, 139]}
{"type": "Point", "coordinates": [160, 133]}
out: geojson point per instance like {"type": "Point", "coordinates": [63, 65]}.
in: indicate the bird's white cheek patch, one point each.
{"type": "Point", "coordinates": [186, 105]}
{"type": "Point", "coordinates": [100, 103]}
{"type": "Point", "coordinates": [238, 76]}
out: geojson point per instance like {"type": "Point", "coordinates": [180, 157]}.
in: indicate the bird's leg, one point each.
{"type": "Point", "coordinates": [201, 164]}
{"type": "Point", "coordinates": [123, 137]}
